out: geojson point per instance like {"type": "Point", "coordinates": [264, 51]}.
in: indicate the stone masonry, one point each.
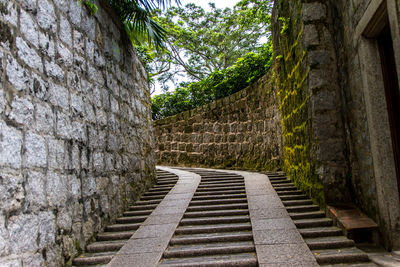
{"type": "Point", "coordinates": [76, 140]}
{"type": "Point", "coordinates": [239, 131]}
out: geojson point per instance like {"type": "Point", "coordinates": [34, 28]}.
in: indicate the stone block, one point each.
{"type": "Point", "coordinates": [46, 16]}
{"type": "Point", "coordinates": [23, 230]}
{"type": "Point", "coordinates": [39, 88]}
{"type": "Point", "coordinates": [11, 191]}
{"type": "Point", "coordinates": [47, 229]}
{"type": "Point", "coordinates": [64, 126]}
{"type": "Point", "coordinates": [4, 241]}
{"type": "Point", "coordinates": [54, 71]}
{"type": "Point", "coordinates": [21, 111]}
{"type": "Point", "coordinates": [46, 44]}
{"type": "Point", "coordinates": [75, 12]}
{"type": "Point", "coordinates": [65, 33]}
{"type": "Point", "coordinates": [10, 146]}
{"type": "Point", "coordinates": [59, 96]}
{"type": "Point", "coordinates": [310, 35]}
{"type": "Point", "coordinates": [33, 260]}
{"type": "Point", "coordinates": [36, 190]}
{"type": "Point", "coordinates": [76, 104]}
{"type": "Point", "coordinates": [313, 11]}
{"type": "Point", "coordinates": [79, 42]}
{"type": "Point", "coordinates": [28, 28]}
{"type": "Point", "coordinates": [17, 75]}
{"type": "Point", "coordinates": [10, 12]}
{"type": "Point", "coordinates": [56, 153]}
{"type": "Point", "coordinates": [57, 189]}
{"type": "Point", "coordinates": [64, 56]}
{"type": "Point", "coordinates": [35, 151]}
{"type": "Point", "coordinates": [44, 118]}
{"type": "Point", "coordinates": [62, 5]}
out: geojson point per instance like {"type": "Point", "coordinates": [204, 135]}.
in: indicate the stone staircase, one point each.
{"type": "Point", "coordinates": [327, 242]}
{"type": "Point", "coordinates": [116, 235]}
{"type": "Point", "coordinates": [215, 229]}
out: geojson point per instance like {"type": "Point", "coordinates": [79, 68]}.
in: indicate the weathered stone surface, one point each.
{"type": "Point", "coordinates": [313, 11]}
{"type": "Point", "coordinates": [17, 75]}
{"type": "Point", "coordinates": [35, 151]}
{"type": "Point", "coordinates": [10, 146]}
{"type": "Point", "coordinates": [29, 28]}
{"type": "Point", "coordinates": [54, 130]}
{"type": "Point", "coordinates": [23, 230]}
{"type": "Point", "coordinates": [231, 134]}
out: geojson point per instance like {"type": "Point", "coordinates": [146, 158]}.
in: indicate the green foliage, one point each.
{"type": "Point", "coordinates": [91, 6]}
{"type": "Point", "coordinates": [219, 84]}
{"type": "Point", "coordinates": [199, 43]}
{"type": "Point", "coordinates": [136, 15]}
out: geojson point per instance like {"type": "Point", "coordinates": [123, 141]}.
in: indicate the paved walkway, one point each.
{"type": "Point", "coordinates": [277, 241]}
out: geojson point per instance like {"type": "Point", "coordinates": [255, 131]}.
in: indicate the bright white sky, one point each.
{"type": "Point", "coordinates": [204, 4]}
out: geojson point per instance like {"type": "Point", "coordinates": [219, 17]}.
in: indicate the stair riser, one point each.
{"type": "Point", "coordinates": [104, 248]}
{"type": "Point", "coordinates": [210, 240]}
{"type": "Point", "coordinates": [214, 221]}
{"type": "Point", "coordinates": [216, 207]}
{"type": "Point", "coordinates": [213, 230]}
{"type": "Point", "coordinates": [216, 214]}
{"type": "Point", "coordinates": [207, 252]}
{"type": "Point", "coordinates": [331, 245]}
{"type": "Point", "coordinates": [342, 259]}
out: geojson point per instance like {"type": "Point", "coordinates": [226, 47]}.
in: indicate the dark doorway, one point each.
{"type": "Point", "coordinates": [392, 93]}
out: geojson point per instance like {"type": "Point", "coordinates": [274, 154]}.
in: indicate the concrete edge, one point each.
{"type": "Point", "coordinates": [147, 245]}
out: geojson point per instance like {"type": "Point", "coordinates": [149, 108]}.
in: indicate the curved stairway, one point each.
{"type": "Point", "coordinates": [215, 229]}
{"type": "Point", "coordinates": [327, 242]}
{"type": "Point", "coordinates": [116, 235]}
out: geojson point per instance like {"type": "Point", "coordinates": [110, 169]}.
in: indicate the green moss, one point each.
{"type": "Point", "coordinates": [291, 74]}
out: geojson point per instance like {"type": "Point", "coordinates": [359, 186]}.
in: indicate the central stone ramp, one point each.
{"type": "Point", "coordinates": [215, 229]}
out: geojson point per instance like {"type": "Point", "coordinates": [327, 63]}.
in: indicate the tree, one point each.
{"type": "Point", "coordinates": [136, 16]}
{"type": "Point", "coordinates": [199, 43]}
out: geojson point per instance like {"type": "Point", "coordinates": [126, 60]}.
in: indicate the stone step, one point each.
{"type": "Point", "coordinates": [148, 202]}
{"type": "Point", "coordinates": [320, 231]}
{"type": "Point", "coordinates": [329, 242]}
{"type": "Point", "coordinates": [209, 249]}
{"type": "Point", "coordinates": [105, 246]}
{"type": "Point", "coordinates": [206, 176]}
{"type": "Point", "coordinates": [219, 196]}
{"type": "Point", "coordinates": [289, 193]}
{"type": "Point", "coordinates": [346, 255]}
{"type": "Point", "coordinates": [217, 201]}
{"type": "Point", "coordinates": [216, 213]}
{"type": "Point", "coordinates": [303, 202]}
{"type": "Point", "coordinates": [237, 260]}
{"type": "Point", "coordinates": [202, 229]}
{"type": "Point", "coordinates": [307, 215]}
{"type": "Point", "coordinates": [131, 219]}
{"type": "Point", "coordinates": [213, 220]}
{"type": "Point", "coordinates": [142, 207]}
{"type": "Point", "coordinates": [160, 188]}
{"type": "Point", "coordinates": [285, 188]}
{"type": "Point", "coordinates": [159, 198]}
{"type": "Point", "coordinates": [293, 197]}
{"type": "Point", "coordinates": [221, 181]}
{"type": "Point", "coordinates": [224, 179]}
{"type": "Point", "coordinates": [93, 259]}
{"type": "Point", "coordinates": [209, 189]}
{"type": "Point", "coordinates": [306, 223]}
{"type": "Point", "coordinates": [281, 181]}
{"type": "Point", "coordinates": [216, 185]}
{"type": "Point", "coordinates": [138, 213]}
{"type": "Point", "coordinates": [354, 264]}
{"type": "Point", "coordinates": [302, 208]}
{"type": "Point", "coordinates": [122, 227]}
{"type": "Point", "coordinates": [107, 236]}
{"type": "Point", "coordinates": [161, 193]}
{"type": "Point", "coordinates": [167, 182]}
{"type": "Point", "coordinates": [211, 238]}
{"type": "Point", "coordinates": [219, 193]}
{"type": "Point", "coordinates": [217, 207]}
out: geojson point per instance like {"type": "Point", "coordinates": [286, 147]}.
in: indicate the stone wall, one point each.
{"type": "Point", "coordinates": [239, 131]}
{"type": "Point", "coordinates": [373, 184]}
{"type": "Point", "coordinates": [310, 99]}
{"type": "Point", "coordinates": [76, 142]}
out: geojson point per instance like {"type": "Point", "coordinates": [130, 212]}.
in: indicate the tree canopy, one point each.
{"type": "Point", "coordinates": [199, 43]}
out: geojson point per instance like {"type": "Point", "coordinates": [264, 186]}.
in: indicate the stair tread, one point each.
{"type": "Point", "coordinates": [211, 245]}
{"type": "Point", "coordinates": [247, 259]}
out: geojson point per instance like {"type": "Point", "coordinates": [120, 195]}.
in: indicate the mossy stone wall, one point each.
{"type": "Point", "coordinates": [241, 131]}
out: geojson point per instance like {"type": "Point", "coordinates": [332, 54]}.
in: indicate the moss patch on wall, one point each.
{"type": "Point", "coordinates": [291, 73]}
